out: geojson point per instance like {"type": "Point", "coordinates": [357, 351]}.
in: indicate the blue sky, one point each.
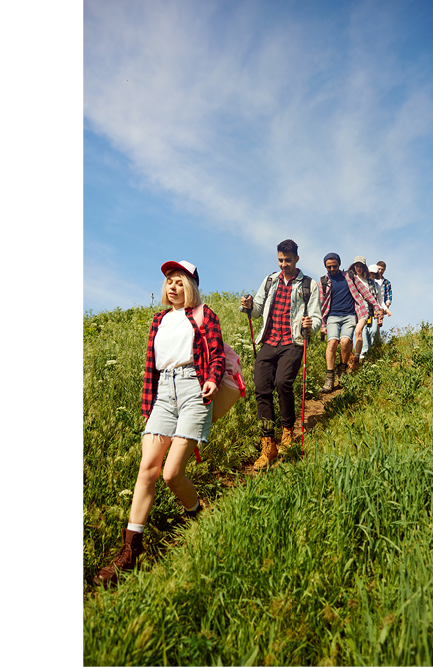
{"type": "Point", "coordinates": [214, 130]}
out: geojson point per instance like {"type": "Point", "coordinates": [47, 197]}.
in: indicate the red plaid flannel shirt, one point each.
{"type": "Point", "coordinates": [357, 290]}
{"type": "Point", "coordinates": [216, 356]}
{"type": "Point", "coordinates": [279, 331]}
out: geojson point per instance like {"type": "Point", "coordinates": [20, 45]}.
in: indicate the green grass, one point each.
{"type": "Point", "coordinates": [114, 358]}
{"type": "Point", "coordinates": [325, 562]}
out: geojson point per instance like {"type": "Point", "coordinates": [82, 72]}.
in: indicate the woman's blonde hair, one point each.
{"type": "Point", "coordinates": [192, 295]}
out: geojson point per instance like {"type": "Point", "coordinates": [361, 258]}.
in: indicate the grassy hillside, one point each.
{"type": "Point", "coordinates": [114, 358]}
{"type": "Point", "coordinates": [328, 561]}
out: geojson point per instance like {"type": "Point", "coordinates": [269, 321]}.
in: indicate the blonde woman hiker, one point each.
{"type": "Point", "coordinates": [177, 402]}
{"type": "Point", "coordinates": [280, 301]}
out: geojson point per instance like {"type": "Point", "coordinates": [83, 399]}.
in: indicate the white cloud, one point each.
{"type": "Point", "coordinates": [309, 129]}
{"type": "Point", "coordinates": [105, 289]}
{"type": "Point", "coordinates": [251, 131]}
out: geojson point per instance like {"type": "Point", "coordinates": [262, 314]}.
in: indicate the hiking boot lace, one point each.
{"type": "Point", "coordinates": [124, 555]}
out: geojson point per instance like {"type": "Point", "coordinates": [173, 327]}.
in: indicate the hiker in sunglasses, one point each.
{"type": "Point", "coordinates": [280, 301]}
{"type": "Point", "coordinates": [342, 299]}
{"type": "Point", "coordinates": [177, 402]}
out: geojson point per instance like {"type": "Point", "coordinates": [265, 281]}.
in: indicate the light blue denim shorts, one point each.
{"type": "Point", "coordinates": [340, 326]}
{"type": "Point", "coordinates": [178, 410]}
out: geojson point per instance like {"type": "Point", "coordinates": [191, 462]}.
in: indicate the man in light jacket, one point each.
{"type": "Point", "coordinates": [280, 302]}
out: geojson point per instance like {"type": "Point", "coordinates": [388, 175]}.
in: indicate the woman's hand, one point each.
{"type": "Point", "coordinates": [379, 315]}
{"type": "Point", "coordinates": [209, 389]}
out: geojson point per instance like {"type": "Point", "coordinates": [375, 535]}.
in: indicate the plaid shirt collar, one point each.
{"type": "Point", "coordinates": [279, 331]}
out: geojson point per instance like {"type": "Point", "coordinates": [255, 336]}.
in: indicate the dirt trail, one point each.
{"type": "Point", "coordinates": [314, 413]}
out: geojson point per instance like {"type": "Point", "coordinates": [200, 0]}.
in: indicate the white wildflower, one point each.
{"type": "Point", "coordinates": [110, 362]}
{"type": "Point", "coordinates": [125, 492]}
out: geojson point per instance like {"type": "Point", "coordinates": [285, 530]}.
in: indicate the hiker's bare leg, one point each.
{"type": "Point", "coordinates": [174, 471]}
{"type": "Point", "coordinates": [358, 336]}
{"type": "Point", "coordinates": [154, 448]}
{"type": "Point", "coordinates": [331, 352]}
{"type": "Point", "coordinates": [345, 349]}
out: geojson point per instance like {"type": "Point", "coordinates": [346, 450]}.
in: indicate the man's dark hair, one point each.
{"type": "Point", "coordinates": [381, 264]}
{"type": "Point", "coordinates": [287, 246]}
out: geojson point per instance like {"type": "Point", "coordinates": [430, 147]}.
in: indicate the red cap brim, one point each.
{"type": "Point", "coordinates": [171, 266]}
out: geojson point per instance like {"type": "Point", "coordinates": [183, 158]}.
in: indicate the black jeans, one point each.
{"type": "Point", "coordinates": [276, 367]}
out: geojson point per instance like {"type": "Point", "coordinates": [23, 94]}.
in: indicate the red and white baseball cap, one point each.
{"type": "Point", "coordinates": [185, 266]}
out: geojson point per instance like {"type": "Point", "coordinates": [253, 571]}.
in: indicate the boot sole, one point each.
{"type": "Point", "coordinates": [104, 584]}
{"type": "Point", "coordinates": [269, 461]}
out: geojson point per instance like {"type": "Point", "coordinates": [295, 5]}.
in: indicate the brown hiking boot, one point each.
{"type": "Point", "coordinates": [125, 559]}
{"type": "Point", "coordinates": [269, 453]}
{"type": "Point", "coordinates": [341, 371]}
{"type": "Point", "coordinates": [329, 383]}
{"type": "Point", "coordinates": [287, 440]}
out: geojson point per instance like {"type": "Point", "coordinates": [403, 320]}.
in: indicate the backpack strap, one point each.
{"type": "Point", "coordinates": [324, 281]}
{"type": "Point", "coordinates": [306, 292]}
{"type": "Point", "coordinates": [198, 315]}
{"type": "Point", "coordinates": [268, 285]}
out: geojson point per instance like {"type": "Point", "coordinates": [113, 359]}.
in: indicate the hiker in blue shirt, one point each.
{"type": "Point", "coordinates": [342, 297]}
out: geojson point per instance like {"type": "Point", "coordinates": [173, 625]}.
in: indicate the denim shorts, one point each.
{"type": "Point", "coordinates": [178, 410]}
{"type": "Point", "coordinates": [340, 326]}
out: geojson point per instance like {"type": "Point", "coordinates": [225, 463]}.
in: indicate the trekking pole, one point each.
{"type": "Point", "coordinates": [252, 334]}
{"type": "Point", "coordinates": [248, 312]}
{"type": "Point", "coordinates": [305, 336]}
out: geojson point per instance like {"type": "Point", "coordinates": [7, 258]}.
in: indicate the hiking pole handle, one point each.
{"type": "Point", "coordinates": [248, 311]}
{"type": "Point", "coordinates": [305, 332]}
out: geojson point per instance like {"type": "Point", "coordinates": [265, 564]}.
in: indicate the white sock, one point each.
{"type": "Point", "coordinates": [137, 527]}
{"type": "Point", "coordinates": [192, 509]}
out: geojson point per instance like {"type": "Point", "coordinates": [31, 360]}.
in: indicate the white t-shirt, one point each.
{"type": "Point", "coordinates": [381, 290]}
{"type": "Point", "coordinates": [173, 341]}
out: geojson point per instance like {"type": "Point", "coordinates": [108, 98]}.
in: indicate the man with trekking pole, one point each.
{"type": "Point", "coordinates": [289, 303]}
